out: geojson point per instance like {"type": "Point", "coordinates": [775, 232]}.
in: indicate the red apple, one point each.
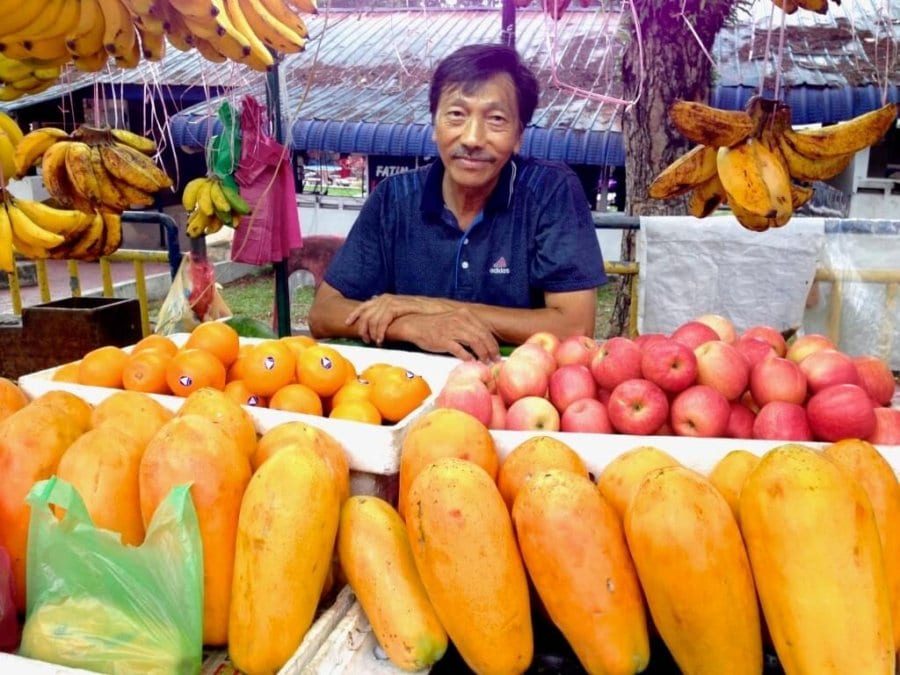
{"type": "Point", "coordinates": [471, 396]}
{"type": "Point", "coordinates": [841, 411]}
{"type": "Point", "coordinates": [498, 413]}
{"type": "Point", "coordinates": [693, 334]}
{"type": "Point", "coordinates": [700, 411]}
{"type": "Point", "coordinates": [722, 367]}
{"type": "Point", "coordinates": [805, 345]}
{"type": "Point", "coordinates": [637, 407]}
{"type": "Point", "coordinates": [740, 421]}
{"type": "Point", "coordinates": [618, 359]}
{"type": "Point", "coordinates": [754, 349]}
{"type": "Point", "coordinates": [569, 383]}
{"type": "Point", "coordinates": [777, 379]}
{"type": "Point", "coordinates": [826, 367]}
{"type": "Point", "coordinates": [586, 415]}
{"type": "Point", "coordinates": [887, 427]}
{"type": "Point", "coordinates": [547, 340]}
{"type": "Point", "coordinates": [747, 401]}
{"type": "Point", "coordinates": [647, 339]}
{"type": "Point", "coordinates": [576, 349]}
{"type": "Point", "coordinates": [876, 378]}
{"type": "Point", "coordinates": [665, 430]}
{"type": "Point", "coordinates": [532, 413]}
{"type": "Point", "coordinates": [721, 324]}
{"type": "Point", "coordinates": [473, 370]}
{"type": "Point", "coordinates": [669, 364]}
{"type": "Point", "coordinates": [770, 335]}
{"type": "Point", "coordinates": [603, 395]}
{"type": "Point", "coordinates": [533, 352]}
{"type": "Point", "coordinates": [782, 421]}
{"type": "Point", "coordinates": [521, 377]}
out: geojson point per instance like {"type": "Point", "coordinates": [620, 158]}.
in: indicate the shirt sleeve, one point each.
{"type": "Point", "coordinates": [567, 254]}
{"type": "Point", "coordinates": [358, 270]}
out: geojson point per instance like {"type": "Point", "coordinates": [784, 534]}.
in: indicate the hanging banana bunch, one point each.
{"type": "Point", "coordinates": [28, 76]}
{"type": "Point", "coordinates": [754, 161]}
{"type": "Point", "coordinates": [791, 6]}
{"type": "Point", "coordinates": [212, 203]}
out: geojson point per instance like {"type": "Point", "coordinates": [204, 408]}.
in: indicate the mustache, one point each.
{"type": "Point", "coordinates": [461, 153]}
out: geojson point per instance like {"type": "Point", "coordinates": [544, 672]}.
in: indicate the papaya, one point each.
{"type": "Point", "coordinates": [695, 574]}
{"type": "Point", "coordinates": [570, 538]}
{"type": "Point", "coordinates": [32, 441]}
{"type": "Point", "coordinates": [813, 543]}
{"type": "Point", "coordinates": [133, 412]}
{"type": "Point", "coordinates": [102, 465]}
{"type": "Point", "coordinates": [285, 539]}
{"type": "Point", "coordinates": [863, 461]}
{"type": "Point", "coordinates": [465, 550]}
{"type": "Point", "coordinates": [78, 410]}
{"type": "Point", "coordinates": [444, 432]}
{"type": "Point", "coordinates": [374, 552]}
{"type": "Point", "coordinates": [530, 457]}
{"type": "Point", "coordinates": [193, 449]}
{"type": "Point", "coordinates": [728, 476]}
{"type": "Point", "coordinates": [218, 407]}
{"type": "Point", "coordinates": [12, 398]}
{"type": "Point", "coordinates": [620, 478]}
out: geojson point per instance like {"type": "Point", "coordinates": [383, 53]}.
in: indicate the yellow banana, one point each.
{"type": "Point", "coordinates": [91, 63]}
{"type": "Point", "coordinates": [29, 232]}
{"type": "Point", "coordinates": [42, 24]}
{"type": "Point", "coordinates": [33, 145]}
{"type": "Point", "coordinates": [177, 32]}
{"type": "Point", "coordinates": [13, 69]}
{"type": "Point", "coordinates": [150, 23]}
{"type": "Point", "coordinates": [136, 141]}
{"type": "Point", "coordinates": [134, 168]}
{"type": "Point", "coordinates": [54, 175]}
{"type": "Point", "coordinates": [51, 73]}
{"type": "Point", "coordinates": [112, 239]}
{"type": "Point", "coordinates": [11, 128]}
{"type": "Point", "coordinates": [228, 40]}
{"type": "Point", "coordinates": [204, 200]}
{"type": "Point", "coordinates": [196, 224]}
{"type": "Point", "coordinates": [195, 9]}
{"type": "Point", "coordinates": [800, 194]}
{"type": "Point", "coordinates": [755, 180]}
{"type": "Point", "coordinates": [87, 37]}
{"type": "Point", "coordinates": [191, 190]}
{"type": "Point", "coordinates": [88, 245]}
{"type": "Point", "coordinates": [7, 258]}
{"type": "Point", "coordinates": [706, 197]}
{"type": "Point", "coordinates": [19, 16]}
{"type": "Point", "coordinates": [118, 31]}
{"type": "Point", "coordinates": [803, 168]}
{"type": "Point", "coordinates": [7, 158]}
{"type": "Point", "coordinates": [817, 6]}
{"type": "Point", "coordinates": [845, 137]}
{"type": "Point", "coordinates": [81, 173]}
{"type": "Point", "coordinates": [65, 222]}
{"type": "Point", "coordinates": [273, 32]}
{"type": "Point", "coordinates": [787, 6]}
{"type": "Point", "coordinates": [133, 196]}
{"type": "Point", "coordinates": [281, 11]}
{"type": "Point", "coordinates": [213, 226]}
{"type": "Point", "coordinates": [44, 49]}
{"type": "Point", "coordinates": [107, 186]}
{"type": "Point", "coordinates": [153, 43]}
{"type": "Point", "coordinates": [10, 93]}
{"type": "Point", "coordinates": [217, 196]}
{"type": "Point", "coordinates": [207, 51]}
{"type": "Point", "coordinates": [754, 222]}
{"type": "Point", "coordinates": [706, 125]}
{"type": "Point", "coordinates": [132, 57]}
{"type": "Point", "coordinates": [258, 50]}
{"type": "Point", "coordinates": [308, 6]}
{"type": "Point", "coordinates": [685, 173]}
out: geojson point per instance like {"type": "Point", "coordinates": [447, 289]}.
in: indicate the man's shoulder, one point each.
{"type": "Point", "coordinates": [406, 182]}
{"type": "Point", "coordinates": [540, 174]}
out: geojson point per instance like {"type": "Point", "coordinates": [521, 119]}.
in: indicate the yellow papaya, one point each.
{"type": "Point", "coordinates": [620, 478]}
{"type": "Point", "coordinates": [532, 456]}
{"type": "Point", "coordinates": [729, 474]}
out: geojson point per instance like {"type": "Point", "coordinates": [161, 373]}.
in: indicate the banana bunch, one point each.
{"type": "Point", "coordinates": [754, 160]}
{"type": "Point", "coordinates": [211, 204]}
{"type": "Point", "coordinates": [28, 76]}
{"type": "Point", "coordinates": [10, 137]}
{"type": "Point", "coordinates": [791, 6]}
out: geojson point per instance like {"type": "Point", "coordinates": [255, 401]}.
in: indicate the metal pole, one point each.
{"type": "Point", "coordinates": [282, 290]}
{"type": "Point", "coordinates": [508, 23]}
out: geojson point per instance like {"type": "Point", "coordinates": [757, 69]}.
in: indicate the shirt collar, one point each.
{"type": "Point", "coordinates": [501, 197]}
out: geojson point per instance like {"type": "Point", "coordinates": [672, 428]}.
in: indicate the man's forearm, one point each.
{"type": "Point", "coordinates": [514, 325]}
{"type": "Point", "coordinates": [329, 318]}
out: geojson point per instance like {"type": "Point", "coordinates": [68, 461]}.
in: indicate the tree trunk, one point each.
{"type": "Point", "coordinates": [674, 67]}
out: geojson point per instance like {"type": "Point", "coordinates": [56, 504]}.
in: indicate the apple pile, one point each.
{"type": "Point", "coordinates": [704, 379]}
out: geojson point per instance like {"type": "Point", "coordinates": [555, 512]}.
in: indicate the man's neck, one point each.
{"type": "Point", "coordinates": [464, 203]}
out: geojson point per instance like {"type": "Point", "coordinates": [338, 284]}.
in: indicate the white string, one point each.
{"type": "Point", "coordinates": [766, 51]}
{"type": "Point", "coordinates": [696, 36]}
{"type": "Point", "coordinates": [779, 64]}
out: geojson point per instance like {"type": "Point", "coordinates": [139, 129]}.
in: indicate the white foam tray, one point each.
{"type": "Point", "coordinates": [370, 448]}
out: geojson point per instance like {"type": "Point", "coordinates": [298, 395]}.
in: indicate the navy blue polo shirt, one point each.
{"type": "Point", "coordinates": [534, 235]}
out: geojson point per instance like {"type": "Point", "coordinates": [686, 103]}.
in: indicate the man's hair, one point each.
{"type": "Point", "coordinates": [472, 65]}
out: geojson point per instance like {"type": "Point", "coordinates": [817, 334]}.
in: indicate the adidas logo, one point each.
{"type": "Point", "coordinates": [499, 266]}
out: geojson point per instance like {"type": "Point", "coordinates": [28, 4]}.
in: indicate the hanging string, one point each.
{"type": "Point", "coordinates": [691, 28]}
{"type": "Point", "coordinates": [780, 62]}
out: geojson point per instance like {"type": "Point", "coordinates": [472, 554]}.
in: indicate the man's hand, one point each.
{"type": "Point", "coordinates": [373, 316]}
{"type": "Point", "coordinates": [457, 331]}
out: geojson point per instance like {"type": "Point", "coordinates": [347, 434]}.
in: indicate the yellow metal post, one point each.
{"type": "Point", "coordinates": [106, 276]}
{"type": "Point", "coordinates": [141, 285]}
{"type": "Point", "coordinates": [74, 280]}
{"type": "Point", "coordinates": [43, 282]}
{"type": "Point", "coordinates": [15, 292]}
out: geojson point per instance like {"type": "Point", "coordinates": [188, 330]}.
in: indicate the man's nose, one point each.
{"type": "Point", "coordinates": [473, 132]}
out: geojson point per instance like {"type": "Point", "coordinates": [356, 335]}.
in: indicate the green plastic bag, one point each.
{"type": "Point", "coordinates": [225, 147]}
{"type": "Point", "coordinates": [98, 604]}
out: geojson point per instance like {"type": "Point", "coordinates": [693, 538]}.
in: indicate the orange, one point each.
{"type": "Point", "coordinates": [77, 410]}
{"type": "Point", "coordinates": [12, 398]}
{"type": "Point", "coordinates": [226, 413]}
{"type": "Point", "coordinates": [133, 413]}
{"type": "Point", "coordinates": [396, 393]}
{"type": "Point", "coordinates": [146, 372]}
{"type": "Point", "coordinates": [296, 398]}
{"type": "Point", "coordinates": [219, 339]}
{"type": "Point", "coordinates": [191, 369]}
{"type": "Point", "coordinates": [298, 343]}
{"type": "Point", "coordinates": [372, 372]}
{"type": "Point", "coordinates": [269, 366]}
{"type": "Point", "coordinates": [358, 410]}
{"type": "Point", "coordinates": [355, 390]}
{"type": "Point", "coordinates": [322, 368]}
{"type": "Point", "coordinates": [236, 369]}
{"type": "Point", "coordinates": [238, 392]}
{"type": "Point", "coordinates": [160, 343]}
{"type": "Point", "coordinates": [102, 367]}
{"type": "Point", "coordinates": [67, 373]}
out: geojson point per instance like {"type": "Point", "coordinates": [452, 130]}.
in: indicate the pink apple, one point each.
{"type": "Point", "coordinates": [637, 407]}
{"type": "Point", "coordinates": [826, 367]}
{"type": "Point", "coordinates": [498, 413]}
{"type": "Point", "coordinates": [569, 383]}
{"type": "Point", "coordinates": [700, 410]}
{"type": "Point", "coordinates": [669, 364]}
{"type": "Point", "coordinates": [747, 401]}
{"type": "Point", "coordinates": [777, 379]}
{"type": "Point", "coordinates": [576, 349]}
{"type": "Point", "coordinates": [665, 430]}
{"type": "Point", "coordinates": [521, 377]}
{"type": "Point", "coordinates": [887, 427]}
{"type": "Point", "coordinates": [533, 352]}
{"type": "Point", "coordinates": [471, 396]}
{"type": "Point", "coordinates": [603, 395]}
{"type": "Point", "coordinates": [586, 415]}
{"type": "Point", "coordinates": [723, 367]}
{"type": "Point", "coordinates": [740, 421]}
{"type": "Point", "coordinates": [805, 345]}
{"type": "Point", "coordinates": [876, 378]}
{"type": "Point", "coordinates": [647, 339]}
{"type": "Point", "coordinates": [768, 334]}
{"type": "Point", "coordinates": [721, 324]}
{"type": "Point", "coordinates": [547, 340]}
{"type": "Point", "coordinates": [473, 370]}
{"type": "Point", "coordinates": [618, 359]}
{"type": "Point", "coordinates": [693, 334]}
{"type": "Point", "coordinates": [782, 421]}
{"type": "Point", "coordinates": [841, 411]}
{"type": "Point", "coordinates": [532, 413]}
{"type": "Point", "coordinates": [754, 349]}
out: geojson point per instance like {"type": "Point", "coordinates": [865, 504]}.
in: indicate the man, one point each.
{"type": "Point", "coordinates": [479, 248]}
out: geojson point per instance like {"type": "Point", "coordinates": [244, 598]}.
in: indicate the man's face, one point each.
{"type": "Point", "coordinates": [476, 133]}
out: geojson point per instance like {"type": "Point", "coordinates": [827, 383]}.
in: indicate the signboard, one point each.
{"type": "Point", "coordinates": [383, 166]}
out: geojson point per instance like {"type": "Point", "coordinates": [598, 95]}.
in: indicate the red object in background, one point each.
{"type": "Point", "coordinates": [203, 285]}
{"type": "Point", "coordinates": [9, 622]}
